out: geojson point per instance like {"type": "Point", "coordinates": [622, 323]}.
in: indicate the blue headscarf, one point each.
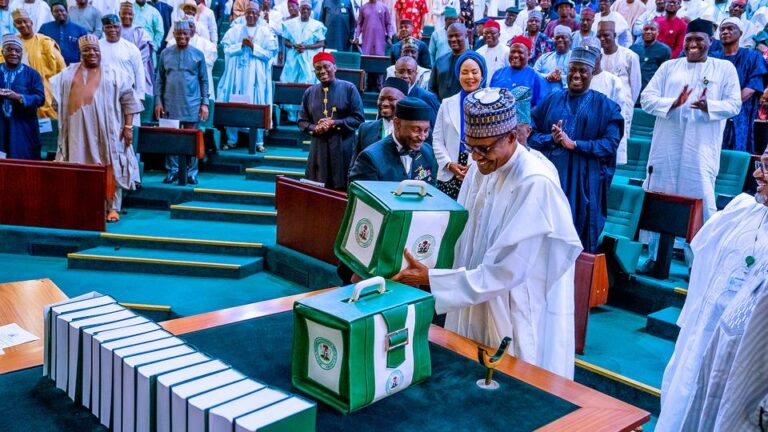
{"type": "Point", "coordinates": [469, 55]}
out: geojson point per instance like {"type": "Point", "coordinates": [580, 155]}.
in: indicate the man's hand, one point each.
{"type": "Point", "coordinates": [323, 126]}
{"type": "Point", "coordinates": [10, 94]}
{"type": "Point", "coordinates": [554, 76]}
{"type": "Point", "coordinates": [127, 135]}
{"type": "Point", "coordinates": [416, 274]}
{"type": "Point", "coordinates": [159, 111]}
{"type": "Point", "coordinates": [682, 97]}
{"type": "Point", "coordinates": [247, 42]}
{"type": "Point", "coordinates": [560, 137]}
{"type": "Point", "coordinates": [458, 170]}
{"type": "Point", "coordinates": [701, 102]}
{"type": "Point", "coordinates": [203, 112]}
{"type": "Point", "coordinates": [355, 41]}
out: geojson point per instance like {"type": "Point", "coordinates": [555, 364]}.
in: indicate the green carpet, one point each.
{"type": "Point", "coordinates": [617, 341]}
{"type": "Point", "coordinates": [209, 180]}
{"type": "Point", "coordinates": [186, 295]}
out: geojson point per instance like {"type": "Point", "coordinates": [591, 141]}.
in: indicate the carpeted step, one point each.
{"type": "Point", "coordinates": [230, 212]}
{"type": "Point", "coordinates": [286, 160]}
{"type": "Point", "coordinates": [184, 244]}
{"type": "Point", "coordinates": [663, 323]}
{"type": "Point", "coordinates": [269, 172]}
{"type": "Point", "coordinates": [286, 135]}
{"type": "Point", "coordinates": [165, 261]}
{"type": "Point", "coordinates": [215, 194]}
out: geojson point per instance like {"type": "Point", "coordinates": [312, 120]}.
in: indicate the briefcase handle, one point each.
{"type": "Point", "coordinates": [417, 183]}
{"type": "Point", "coordinates": [360, 286]}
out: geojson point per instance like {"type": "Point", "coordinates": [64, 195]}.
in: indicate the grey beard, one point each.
{"type": "Point", "coordinates": [761, 199]}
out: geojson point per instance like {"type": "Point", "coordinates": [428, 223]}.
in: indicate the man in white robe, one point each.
{"type": "Point", "coordinates": [692, 98]}
{"type": "Point", "coordinates": [495, 53]}
{"type": "Point", "coordinates": [508, 281]}
{"type": "Point", "coordinates": [612, 86]}
{"type": "Point", "coordinates": [303, 37]}
{"type": "Point", "coordinates": [623, 32]}
{"type": "Point", "coordinates": [139, 37]}
{"type": "Point", "coordinates": [625, 64]}
{"type": "Point", "coordinates": [729, 265]}
{"type": "Point", "coordinates": [249, 51]}
{"type": "Point", "coordinates": [119, 53]}
{"type": "Point", "coordinates": [96, 106]}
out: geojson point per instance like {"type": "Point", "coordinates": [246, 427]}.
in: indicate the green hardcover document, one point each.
{"type": "Point", "coordinates": [384, 218]}
{"type": "Point", "coordinates": [355, 345]}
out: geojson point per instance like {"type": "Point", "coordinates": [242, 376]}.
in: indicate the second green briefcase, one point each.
{"type": "Point", "coordinates": [384, 218]}
{"type": "Point", "coordinates": [353, 346]}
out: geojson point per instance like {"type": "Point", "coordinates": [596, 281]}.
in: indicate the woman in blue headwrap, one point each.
{"type": "Point", "coordinates": [448, 136]}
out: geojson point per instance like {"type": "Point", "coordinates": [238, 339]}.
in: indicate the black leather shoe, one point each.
{"type": "Point", "coordinates": [192, 180]}
{"type": "Point", "coordinates": [170, 178]}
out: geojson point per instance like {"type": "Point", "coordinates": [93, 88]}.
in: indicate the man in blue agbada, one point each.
{"type": "Point", "coordinates": [579, 130]}
{"type": "Point", "coordinates": [751, 68]}
{"type": "Point", "coordinates": [21, 94]}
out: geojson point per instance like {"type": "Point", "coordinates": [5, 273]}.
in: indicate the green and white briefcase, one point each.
{"type": "Point", "coordinates": [382, 219]}
{"type": "Point", "coordinates": [354, 345]}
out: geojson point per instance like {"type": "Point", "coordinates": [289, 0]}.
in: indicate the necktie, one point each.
{"type": "Point", "coordinates": [416, 163]}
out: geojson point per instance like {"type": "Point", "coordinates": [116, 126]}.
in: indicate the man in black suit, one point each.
{"type": "Point", "coordinates": [403, 154]}
{"type": "Point", "coordinates": [371, 131]}
{"type": "Point", "coordinates": [406, 68]}
{"type": "Point", "coordinates": [405, 31]}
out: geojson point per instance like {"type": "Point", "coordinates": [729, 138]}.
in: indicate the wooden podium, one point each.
{"type": "Point", "coordinates": [242, 115]}
{"type": "Point", "coordinates": [54, 194]}
{"type": "Point", "coordinates": [308, 217]}
{"type": "Point", "coordinates": [671, 216]}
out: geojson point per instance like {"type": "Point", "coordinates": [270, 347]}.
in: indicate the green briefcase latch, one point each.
{"type": "Point", "coordinates": [360, 286]}
{"type": "Point", "coordinates": [397, 338]}
{"type": "Point", "coordinates": [417, 183]}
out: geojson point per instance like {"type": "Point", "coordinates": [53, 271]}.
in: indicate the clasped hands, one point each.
{"type": "Point", "coordinates": [10, 94]}
{"type": "Point", "coordinates": [560, 137]}
{"type": "Point", "coordinates": [700, 103]}
{"type": "Point", "coordinates": [324, 125]}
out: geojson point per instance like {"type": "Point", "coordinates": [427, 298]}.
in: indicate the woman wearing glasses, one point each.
{"type": "Point", "coordinates": [448, 142]}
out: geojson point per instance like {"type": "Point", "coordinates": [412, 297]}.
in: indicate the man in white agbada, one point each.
{"type": "Point", "coordinates": [508, 281]}
{"type": "Point", "coordinates": [303, 37]}
{"type": "Point", "coordinates": [119, 53]}
{"type": "Point", "coordinates": [717, 374]}
{"type": "Point", "coordinates": [612, 86]}
{"type": "Point", "coordinates": [691, 97]}
{"type": "Point", "coordinates": [39, 11]}
{"type": "Point", "coordinates": [495, 53]}
{"type": "Point", "coordinates": [96, 106]}
{"type": "Point", "coordinates": [625, 64]}
{"type": "Point", "coordinates": [249, 51]}
{"type": "Point", "coordinates": [623, 32]}
{"type": "Point", "coordinates": [208, 49]}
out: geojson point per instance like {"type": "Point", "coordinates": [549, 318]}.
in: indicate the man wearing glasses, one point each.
{"type": "Point", "coordinates": [579, 130]}
{"type": "Point", "coordinates": [514, 268]}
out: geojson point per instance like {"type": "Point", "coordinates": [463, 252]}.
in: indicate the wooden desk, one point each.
{"type": "Point", "coordinates": [590, 290]}
{"type": "Point", "coordinates": [315, 235]}
{"type": "Point", "coordinates": [241, 115]}
{"type": "Point", "coordinates": [54, 194]}
{"type": "Point", "coordinates": [597, 411]}
{"type": "Point", "coordinates": [671, 216]}
{"type": "Point", "coordinates": [22, 303]}
{"type": "Point", "coordinates": [170, 141]}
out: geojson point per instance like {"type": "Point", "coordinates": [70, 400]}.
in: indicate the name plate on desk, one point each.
{"type": "Point", "coordinates": [169, 123]}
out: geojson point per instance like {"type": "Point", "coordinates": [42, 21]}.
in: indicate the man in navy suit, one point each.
{"type": "Point", "coordinates": [406, 68]}
{"type": "Point", "coordinates": [401, 155]}
{"type": "Point", "coordinates": [371, 131]}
